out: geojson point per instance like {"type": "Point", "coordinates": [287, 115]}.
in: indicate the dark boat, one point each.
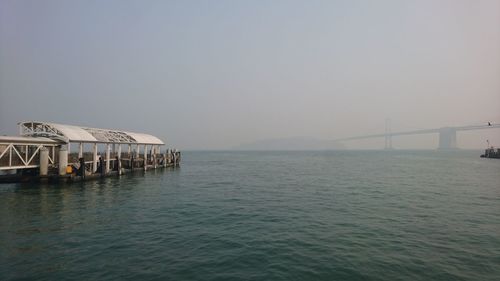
{"type": "Point", "coordinates": [491, 153]}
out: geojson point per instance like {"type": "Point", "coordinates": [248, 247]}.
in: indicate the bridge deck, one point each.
{"type": "Point", "coordinates": [421, 132]}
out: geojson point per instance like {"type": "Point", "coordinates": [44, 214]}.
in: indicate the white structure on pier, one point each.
{"type": "Point", "coordinates": [23, 152]}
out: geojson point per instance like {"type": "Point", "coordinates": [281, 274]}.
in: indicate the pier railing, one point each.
{"type": "Point", "coordinates": [24, 155]}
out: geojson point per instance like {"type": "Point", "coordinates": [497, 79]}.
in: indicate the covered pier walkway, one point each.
{"type": "Point", "coordinates": [49, 149]}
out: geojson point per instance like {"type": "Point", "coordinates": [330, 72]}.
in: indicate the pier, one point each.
{"type": "Point", "coordinates": [57, 152]}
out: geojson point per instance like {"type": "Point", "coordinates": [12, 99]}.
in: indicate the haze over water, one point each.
{"type": "Point", "coordinates": [337, 215]}
{"type": "Point", "coordinates": [218, 74]}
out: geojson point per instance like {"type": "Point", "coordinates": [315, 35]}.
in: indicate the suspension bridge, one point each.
{"type": "Point", "coordinates": [447, 135]}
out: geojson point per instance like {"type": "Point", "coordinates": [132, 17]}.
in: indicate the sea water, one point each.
{"type": "Point", "coordinates": [312, 215]}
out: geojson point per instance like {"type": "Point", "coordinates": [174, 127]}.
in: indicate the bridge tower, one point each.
{"type": "Point", "coordinates": [388, 135]}
{"type": "Point", "coordinates": [447, 138]}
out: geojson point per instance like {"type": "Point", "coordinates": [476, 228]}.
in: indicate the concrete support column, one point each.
{"type": "Point", "coordinates": [447, 138]}
{"type": "Point", "coordinates": [129, 150]}
{"type": "Point", "coordinates": [44, 161]}
{"type": "Point", "coordinates": [108, 151]}
{"type": "Point", "coordinates": [119, 159]}
{"type": "Point", "coordinates": [158, 155]}
{"type": "Point", "coordinates": [131, 158]}
{"type": "Point", "coordinates": [145, 157]}
{"type": "Point", "coordinates": [151, 153]}
{"type": "Point", "coordinates": [63, 161]}
{"type": "Point", "coordinates": [94, 158]}
{"type": "Point", "coordinates": [80, 150]}
{"type": "Point", "coordinates": [119, 152]}
{"type": "Point", "coordinates": [137, 151]}
{"type": "Point", "coordinates": [154, 155]}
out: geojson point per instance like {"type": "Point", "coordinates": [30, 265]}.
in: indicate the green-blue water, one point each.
{"type": "Point", "coordinates": [364, 215]}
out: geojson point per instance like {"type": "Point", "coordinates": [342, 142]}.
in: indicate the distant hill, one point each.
{"type": "Point", "coordinates": [294, 143]}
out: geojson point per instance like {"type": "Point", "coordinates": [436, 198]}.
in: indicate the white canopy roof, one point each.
{"type": "Point", "coordinates": [70, 133]}
{"type": "Point", "coordinates": [25, 140]}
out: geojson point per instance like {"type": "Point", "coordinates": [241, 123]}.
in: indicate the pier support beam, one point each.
{"type": "Point", "coordinates": [154, 155]}
{"type": "Point", "coordinates": [44, 161]}
{"type": "Point", "coordinates": [169, 156]}
{"type": "Point", "coordinates": [145, 157]}
{"type": "Point", "coordinates": [94, 159]}
{"type": "Point", "coordinates": [63, 161]}
{"type": "Point", "coordinates": [119, 159]}
{"type": "Point", "coordinates": [108, 151]}
{"type": "Point", "coordinates": [80, 150]}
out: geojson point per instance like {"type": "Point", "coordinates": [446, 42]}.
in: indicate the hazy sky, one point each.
{"type": "Point", "coordinates": [214, 74]}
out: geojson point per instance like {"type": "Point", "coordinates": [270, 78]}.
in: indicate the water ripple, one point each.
{"type": "Point", "coordinates": [263, 216]}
